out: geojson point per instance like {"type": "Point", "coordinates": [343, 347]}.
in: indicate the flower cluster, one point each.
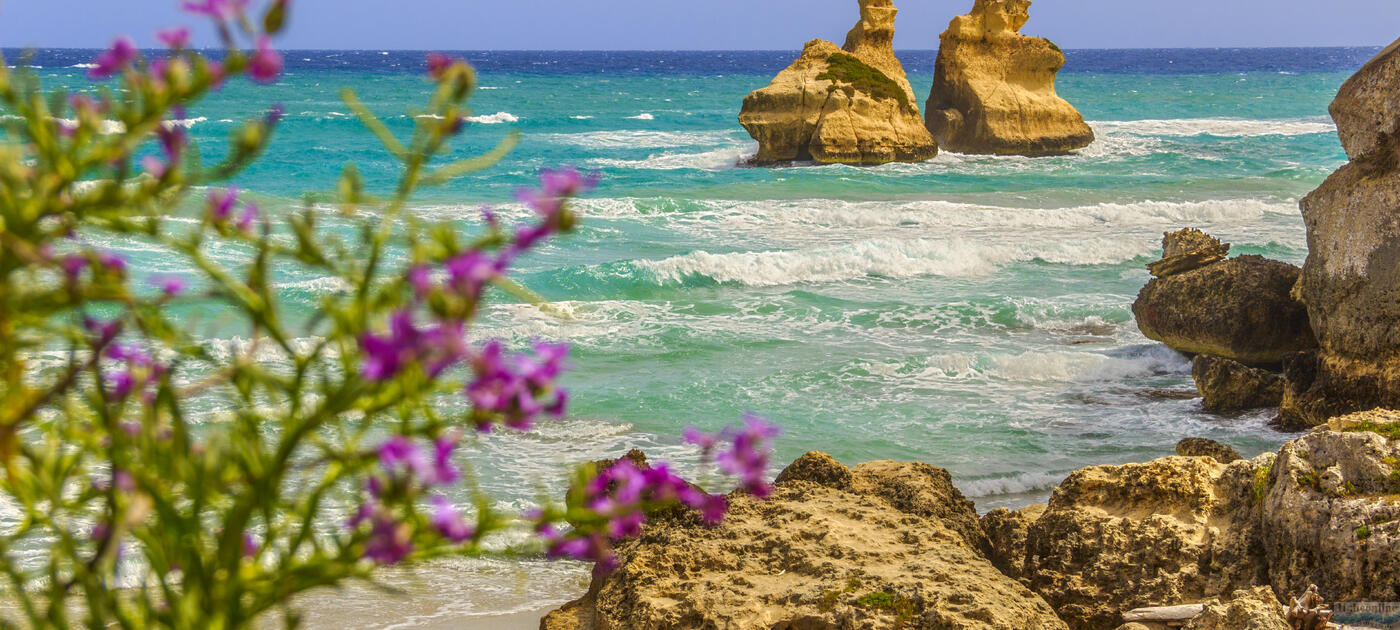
{"type": "Point", "coordinates": [220, 206]}
{"type": "Point", "coordinates": [264, 64]}
{"type": "Point", "coordinates": [746, 457]}
{"type": "Point", "coordinates": [514, 389]}
{"type": "Point", "coordinates": [619, 498]}
{"type": "Point", "coordinates": [613, 505]}
{"type": "Point", "coordinates": [406, 469]}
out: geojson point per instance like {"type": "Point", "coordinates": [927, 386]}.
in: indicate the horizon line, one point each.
{"type": "Point", "coordinates": [695, 50]}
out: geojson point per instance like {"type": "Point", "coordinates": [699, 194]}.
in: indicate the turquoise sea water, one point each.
{"type": "Point", "coordinates": [969, 312]}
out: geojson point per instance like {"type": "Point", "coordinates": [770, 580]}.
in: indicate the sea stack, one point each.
{"type": "Point", "coordinates": [849, 105]}
{"type": "Point", "coordinates": [994, 88]}
{"type": "Point", "coordinates": [1350, 280]}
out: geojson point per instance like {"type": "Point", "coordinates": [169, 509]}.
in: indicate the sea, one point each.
{"type": "Point", "coordinates": [971, 312]}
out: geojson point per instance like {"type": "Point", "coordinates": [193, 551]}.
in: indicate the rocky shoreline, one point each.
{"type": "Point", "coordinates": [896, 545]}
{"type": "Point", "coordinates": [1220, 539]}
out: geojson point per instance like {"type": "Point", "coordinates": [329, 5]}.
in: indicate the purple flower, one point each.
{"type": "Point", "coordinates": [220, 204]}
{"type": "Point", "coordinates": [265, 64]}
{"type": "Point", "coordinates": [386, 355]}
{"type": "Point", "coordinates": [169, 285]}
{"type": "Point", "coordinates": [421, 279]}
{"type": "Point", "coordinates": [103, 332]}
{"type": "Point", "coordinates": [389, 541]}
{"type": "Point", "coordinates": [175, 38]}
{"type": "Point", "coordinates": [250, 545]}
{"type": "Point", "coordinates": [748, 458]}
{"type": "Point", "coordinates": [448, 522]}
{"type": "Point", "coordinates": [121, 385]}
{"type": "Point", "coordinates": [73, 265]}
{"type": "Point", "coordinates": [438, 64]}
{"type": "Point", "coordinates": [112, 262]}
{"type": "Point", "coordinates": [512, 388]}
{"type": "Point", "coordinates": [469, 271]}
{"type": "Point", "coordinates": [706, 441]}
{"type": "Point", "coordinates": [112, 60]}
{"type": "Point", "coordinates": [221, 10]}
{"type": "Point", "coordinates": [400, 452]}
{"type": "Point", "coordinates": [443, 471]}
{"type": "Point", "coordinates": [247, 217]}
{"type": "Point", "coordinates": [153, 165]}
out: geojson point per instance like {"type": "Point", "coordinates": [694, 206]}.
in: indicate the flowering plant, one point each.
{"type": "Point", "coordinates": [139, 507]}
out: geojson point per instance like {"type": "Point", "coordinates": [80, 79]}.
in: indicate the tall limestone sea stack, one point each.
{"type": "Point", "coordinates": [849, 105]}
{"type": "Point", "coordinates": [1351, 280]}
{"type": "Point", "coordinates": [994, 89]}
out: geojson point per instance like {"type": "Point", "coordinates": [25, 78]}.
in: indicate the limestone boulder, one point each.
{"type": "Point", "coordinates": [1245, 609]}
{"type": "Point", "coordinates": [1202, 447]}
{"type": "Point", "coordinates": [1351, 280]}
{"type": "Point", "coordinates": [1331, 516]}
{"type": "Point", "coordinates": [885, 553]}
{"type": "Point", "coordinates": [1006, 532]}
{"type": "Point", "coordinates": [1187, 249]}
{"type": "Point", "coordinates": [1227, 385]}
{"type": "Point", "coordinates": [850, 105]}
{"type": "Point", "coordinates": [1366, 110]}
{"type": "Point", "coordinates": [1173, 530]}
{"type": "Point", "coordinates": [1240, 309]}
{"type": "Point", "coordinates": [994, 88]}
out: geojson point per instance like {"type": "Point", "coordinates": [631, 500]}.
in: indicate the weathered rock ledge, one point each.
{"type": "Point", "coordinates": [895, 545]}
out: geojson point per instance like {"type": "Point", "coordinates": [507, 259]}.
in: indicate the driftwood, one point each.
{"type": "Point", "coordinates": [1164, 613]}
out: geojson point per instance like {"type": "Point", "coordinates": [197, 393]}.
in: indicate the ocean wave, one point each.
{"type": "Point", "coordinates": [83, 65]}
{"type": "Point", "coordinates": [638, 139]}
{"type": "Point", "coordinates": [1018, 484]}
{"type": "Point", "coordinates": [886, 258]}
{"type": "Point", "coordinates": [1222, 127]}
{"type": "Point", "coordinates": [715, 160]}
{"type": "Point", "coordinates": [494, 119]}
{"type": "Point", "coordinates": [814, 220]}
{"type": "Point", "coordinates": [643, 116]}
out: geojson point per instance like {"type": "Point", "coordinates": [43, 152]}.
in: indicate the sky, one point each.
{"type": "Point", "coordinates": [715, 24]}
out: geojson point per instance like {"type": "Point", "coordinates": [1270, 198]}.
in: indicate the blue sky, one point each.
{"type": "Point", "coordinates": [719, 24]}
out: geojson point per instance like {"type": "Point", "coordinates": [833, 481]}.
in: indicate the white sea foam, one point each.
{"type": "Point", "coordinates": [638, 139]}
{"type": "Point", "coordinates": [717, 159]}
{"type": "Point", "coordinates": [788, 221]}
{"type": "Point", "coordinates": [83, 65]}
{"type": "Point", "coordinates": [494, 119]}
{"type": "Point", "coordinates": [889, 258]}
{"type": "Point", "coordinates": [643, 116]}
{"type": "Point", "coordinates": [1222, 127]}
{"type": "Point", "coordinates": [581, 117]}
{"type": "Point", "coordinates": [1019, 484]}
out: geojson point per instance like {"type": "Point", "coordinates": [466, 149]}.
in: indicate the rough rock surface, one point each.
{"type": "Point", "coordinates": [1331, 516]}
{"type": "Point", "coordinates": [1324, 510]}
{"type": "Point", "coordinates": [1006, 534]}
{"type": "Point", "coordinates": [1241, 309]}
{"type": "Point", "coordinates": [1366, 110]}
{"type": "Point", "coordinates": [1173, 530]}
{"type": "Point", "coordinates": [1228, 385]}
{"type": "Point", "coordinates": [1355, 421]}
{"type": "Point", "coordinates": [1351, 280]}
{"type": "Point", "coordinates": [994, 89]}
{"type": "Point", "coordinates": [1245, 609]}
{"type": "Point", "coordinates": [1202, 447]}
{"type": "Point", "coordinates": [880, 555]}
{"type": "Point", "coordinates": [850, 105]}
{"type": "Point", "coordinates": [1187, 249]}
